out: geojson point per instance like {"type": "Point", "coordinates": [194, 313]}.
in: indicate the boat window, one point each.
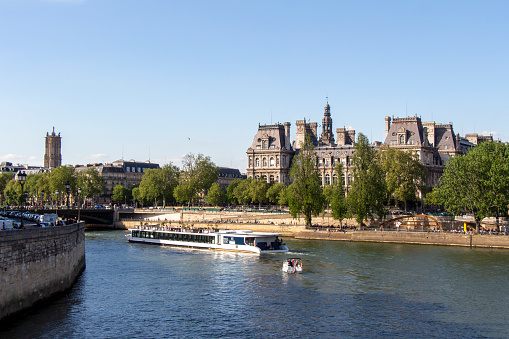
{"type": "Point", "coordinates": [239, 241]}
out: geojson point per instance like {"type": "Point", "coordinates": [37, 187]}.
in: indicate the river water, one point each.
{"type": "Point", "coordinates": [347, 290]}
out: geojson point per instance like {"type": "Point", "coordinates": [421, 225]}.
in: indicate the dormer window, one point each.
{"type": "Point", "coordinates": [401, 139]}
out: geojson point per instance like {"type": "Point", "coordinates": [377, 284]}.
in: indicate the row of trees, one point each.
{"type": "Point", "coordinates": [380, 177]}
{"type": "Point", "coordinates": [169, 184]}
{"type": "Point", "coordinates": [50, 186]}
{"type": "Point", "coordinates": [476, 183]}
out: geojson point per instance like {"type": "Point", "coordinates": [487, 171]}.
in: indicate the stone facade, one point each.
{"type": "Point", "coordinates": [270, 154]}
{"type": "Point", "coordinates": [328, 152]}
{"type": "Point", "coordinates": [120, 172]}
{"type": "Point", "coordinates": [435, 144]}
{"type": "Point", "coordinates": [53, 156]}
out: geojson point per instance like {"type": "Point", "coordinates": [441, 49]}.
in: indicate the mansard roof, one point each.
{"type": "Point", "coordinates": [444, 137]}
{"type": "Point", "coordinates": [411, 127]}
{"type": "Point", "coordinates": [225, 172]}
{"type": "Point", "coordinates": [274, 134]}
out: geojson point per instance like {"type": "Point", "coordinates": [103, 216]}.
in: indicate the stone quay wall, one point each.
{"type": "Point", "coordinates": [283, 223]}
{"type": "Point", "coordinates": [38, 264]}
{"type": "Point", "coordinates": [427, 238]}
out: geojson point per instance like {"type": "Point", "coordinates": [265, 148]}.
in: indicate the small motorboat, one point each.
{"type": "Point", "coordinates": [292, 265]}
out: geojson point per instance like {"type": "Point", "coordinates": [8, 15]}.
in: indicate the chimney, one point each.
{"type": "Point", "coordinates": [387, 125]}
{"type": "Point", "coordinates": [287, 136]}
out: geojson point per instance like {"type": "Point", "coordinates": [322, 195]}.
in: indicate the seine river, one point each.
{"type": "Point", "coordinates": [347, 290]}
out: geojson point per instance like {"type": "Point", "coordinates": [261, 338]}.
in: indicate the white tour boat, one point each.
{"type": "Point", "coordinates": [244, 241]}
{"type": "Point", "coordinates": [292, 265]}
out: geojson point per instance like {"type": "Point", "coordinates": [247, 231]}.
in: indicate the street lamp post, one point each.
{"type": "Point", "coordinates": [67, 188]}
{"type": "Point", "coordinates": [56, 203]}
{"type": "Point", "coordinates": [79, 203]}
{"type": "Point", "coordinates": [21, 177]}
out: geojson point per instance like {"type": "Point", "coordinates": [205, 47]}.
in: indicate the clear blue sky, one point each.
{"type": "Point", "coordinates": [161, 79]}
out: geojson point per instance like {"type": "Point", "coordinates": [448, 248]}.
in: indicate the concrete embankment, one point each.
{"type": "Point", "coordinates": [427, 238]}
{"type": "Point", "coordinates": [289, 227]}
{"type": "Point", "coordinates": [38, 264]}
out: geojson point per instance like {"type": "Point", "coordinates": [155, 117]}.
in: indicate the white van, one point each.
{"type": "Point", "coordinates": [6, 224]}
{"type": "Point", "coordinates": [49, 218]}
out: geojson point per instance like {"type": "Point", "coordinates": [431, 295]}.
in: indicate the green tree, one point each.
{"type": "Point", "coordinates": [230, 196]}
{"type": "Point", "coordinates": [33, 186]}
{"type": "Point", "coordinates": [184, 192]}
{"type": "Point", "coordinates": [91, 184]}
{"type": "Point", "coordinates": [215, 196]}
{"type": "Point", "coordinates": [477, 183]}
{"type": "Point", "coordinates": [274, 191]}
{"type": "Point", "coordinates": [4, 179]}
{"type": "Point", "coordinates": [241, 191]}
{"type": "Point", "coordinates": [405, 175]}
{"type": "Point", "coordinates": [12, 192]}
{"type": "Point", "coordinates": [198, 173]}
{"type": "Point", "coordinates": [169, 176]}
{"type": "Point", "coordinates": [151, 188]}
{"type": "Point", "coordinates": [367, 193]}
{"type": "Point", "coordinates": [305, 194]}
{"type": "Point", "coordinates": [258, 191]}
{"type": "Point", "coordinates": [137, 198]}
{"type": "Point", "coordinates": [119, 194]}
{"type": "Point", "coordinates": [336, 196]}
{"type": "Point", "coordinates": [282, 198]}
{"type": "Point", "coordinates": [58, 178]}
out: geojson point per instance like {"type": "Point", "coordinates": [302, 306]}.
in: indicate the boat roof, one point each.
{"type": "Point", "coordinates": [245, 233]}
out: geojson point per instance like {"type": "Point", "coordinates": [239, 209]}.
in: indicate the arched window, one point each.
{"type": "Point", "coordinates": [334, 178]}
{"type": "Point", "coordinates": [264, 161]}
{"type": "Point", "coordinates": [257, 162]}
{"type": "Point", "coordinates": [271, 161]}
{"type": "Point", "coordinates": [271, 178]}
{"type": "Point", "coordinates": [327, 179]}
{"type": "Point", "coordinates": [321, 179]}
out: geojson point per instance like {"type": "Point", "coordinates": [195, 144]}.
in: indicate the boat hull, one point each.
{"type": "Point", "coordinates": [215, 241]}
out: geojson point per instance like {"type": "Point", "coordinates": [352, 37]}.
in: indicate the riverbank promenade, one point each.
{"type": "Point", "coordinates": [324, 228]}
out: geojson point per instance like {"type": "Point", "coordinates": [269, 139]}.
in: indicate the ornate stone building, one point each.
{"type": "Point", "coordinates": [53, 157]}
{"type": "Point", "coordinates": [270, 155]}
{"type": "Point", "coordinates": [435, 144]}
{"type": "Point", "coordinates": [271, 159]}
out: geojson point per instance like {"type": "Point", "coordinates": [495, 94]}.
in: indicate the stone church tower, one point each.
{"type": "Point", "coordinates": [53, 157]}
{"type": "Point", "coordinates": [327, 137]}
